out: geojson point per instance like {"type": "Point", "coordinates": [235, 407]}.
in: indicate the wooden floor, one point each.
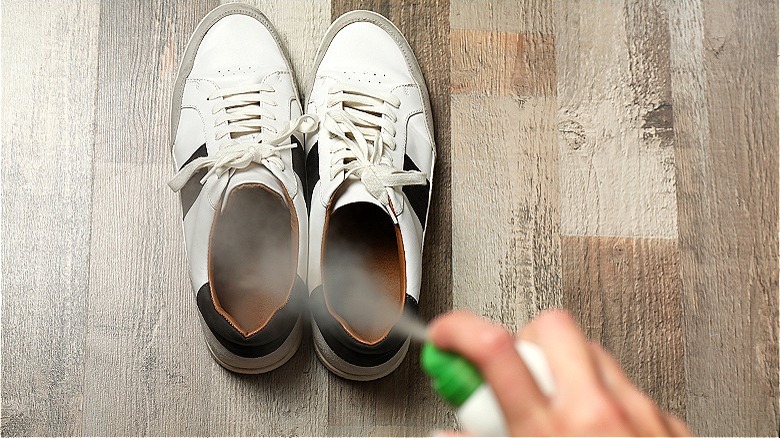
{"type": "Point", "coordinates": [616, 158]}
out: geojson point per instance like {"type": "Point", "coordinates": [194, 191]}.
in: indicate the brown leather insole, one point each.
{"type": "Point", "coordinates": [251, 266]}
{"type": "Point", "coordinates": [363, 274]}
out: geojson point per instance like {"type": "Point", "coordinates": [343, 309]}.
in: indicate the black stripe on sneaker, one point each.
{"type": "Point", "coordinates": [299, 159]}
{"type": "Point", "coordinates": [189, 193]}
{"type": "Point", "coordinates": [262, 343]}
{"type": "Point", "coordinates": [349, 348]}
{"type": "Point", "coordinates": [312, 172]}
{"type": "Point", "coordinates": [418, 196]}
{"type": "Point", "coordinates": [200, 152]}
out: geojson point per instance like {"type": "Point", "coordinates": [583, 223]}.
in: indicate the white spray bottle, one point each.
{"type": "Point", "coordinates": [459, 382]}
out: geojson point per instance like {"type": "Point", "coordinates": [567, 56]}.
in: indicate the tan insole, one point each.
{"type": "Point", "coordinates": [363, 273]}
{"type": "Point", "coordinates": [251, 266]}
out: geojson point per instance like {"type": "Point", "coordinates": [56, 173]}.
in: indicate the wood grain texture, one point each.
{"type": "Point", "coordinates": [289, 401]}
{"type": "Point", "coordinates": [504, 15]}
{"type": "Point", "coordinates": [614, 120]}
{"type": "Point", "coordinates": [502, 63]}
{"type": "Point", "coordinates": [506, 253]}
{"type": "Point", "coordinates": [726, 132]}
{"type": "Point", "coordinates": [382, 407]}
{"type": "Point", "coordinates": [50, 55]}
{"type": "Point", "coordinates": [146, 363]}
{"type": "Point", "coordinates": [617, 180]}
{"type": "Point", "coordinates": [625, 294]}
{"type": "Point", "coordinates": [619, 158]}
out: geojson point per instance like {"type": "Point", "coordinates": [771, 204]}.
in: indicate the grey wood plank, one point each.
{"type": "Point", "coordinates": [289, 401]}
{"type": "Point", "coordinates": [403, 403]}
{"type": "Point", "coordinates": [617, 174]}
{"type": "Point", "coordinates": [725, 91]}
{"type": "Point", "coordinates": [625, 293]}
{"type": "Point", "coordinates": [506, 248]}
{"type": "Point", "coordinates": [506, 219]}
{"type": "Point", "coordinates": [619, 220]}
{"type": "Point", "coordinates": [140, 46]}
{"type": "Point", "coordinates": [147, 370]}
{"type": "Point", "coordinates": [504, 15]}
{"type": "Point", "coordinates": [50, 54]}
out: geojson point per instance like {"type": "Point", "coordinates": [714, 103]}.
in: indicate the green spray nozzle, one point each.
{"type": "Point", "coordinates": [454, 377]}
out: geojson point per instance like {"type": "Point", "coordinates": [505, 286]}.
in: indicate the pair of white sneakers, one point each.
{"type": "Point", "coordinates": [276, 235]}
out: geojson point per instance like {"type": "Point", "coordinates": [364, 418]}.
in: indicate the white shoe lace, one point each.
{"type": "Point", "coordinates": [362, 119]}
{"type": "Point", "coordinates": [243, 130]}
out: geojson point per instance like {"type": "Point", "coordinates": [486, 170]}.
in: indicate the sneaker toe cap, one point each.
{"type": "Point", "coordinates": [365, 53]}
{"type": "Point", "coordinates": [238, 45]}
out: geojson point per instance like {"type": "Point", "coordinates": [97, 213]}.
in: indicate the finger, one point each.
{"type": "Point", "coordinates": [491, 349]}
{"type": "Point", "coordinates": [567, 352]}
{"type": "Point", "coordinates": [643, 414]}
{"type": "Point", "coordinates": [581, 404]}
{"type": "Point", "coordinates": [677, 426]}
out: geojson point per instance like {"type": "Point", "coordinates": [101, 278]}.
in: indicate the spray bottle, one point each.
{"type": "Point", "coordinates": [459, 382]}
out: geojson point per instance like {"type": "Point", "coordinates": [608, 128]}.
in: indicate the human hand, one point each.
{"type": "Point", "coordinates": [592, 394]}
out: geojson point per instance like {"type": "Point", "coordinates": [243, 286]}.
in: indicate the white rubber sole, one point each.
{"type": "Point", "coordinates": [251, 365]}
{"type": "Point", "coordinates": [341, 368]}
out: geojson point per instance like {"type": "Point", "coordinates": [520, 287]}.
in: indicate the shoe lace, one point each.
{"type": "Point", "coordinates": [362, 120]}
{"type": "Point", "coordinates": [242, 128]}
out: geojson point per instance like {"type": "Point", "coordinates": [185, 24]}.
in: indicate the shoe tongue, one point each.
{"type": "Point", "coordinates": [353, 191]}
{"type": "Point", "coordinates": [255, 174]}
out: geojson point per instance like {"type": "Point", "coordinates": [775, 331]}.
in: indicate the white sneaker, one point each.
{"type": "Point", "coordinates": [236, 126]}
{"type": "Point", "coordinates": [369, 180]}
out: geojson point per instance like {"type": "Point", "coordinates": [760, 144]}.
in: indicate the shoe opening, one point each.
{"type": "Point", "coordinates": [253, 253]}
{"type": "Point", "coordinates": [363, 271]}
